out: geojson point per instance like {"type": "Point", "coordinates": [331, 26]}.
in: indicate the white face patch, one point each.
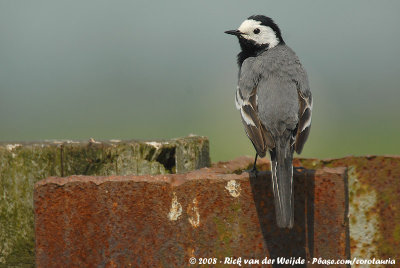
{"type": "Point", "coordinates": [265, 36]}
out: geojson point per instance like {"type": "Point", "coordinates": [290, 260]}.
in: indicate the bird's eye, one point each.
{"type": "Point", "coordinates": [256, 31]}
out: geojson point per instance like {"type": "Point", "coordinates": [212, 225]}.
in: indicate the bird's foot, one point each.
{"type": "Point", "coordinates": [254, 170]}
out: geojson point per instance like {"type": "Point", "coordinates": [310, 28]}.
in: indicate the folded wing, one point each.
{"type": "Point", "coordinates": [255, 130]}
{"type": "Point", "coordinates": [304, 125]}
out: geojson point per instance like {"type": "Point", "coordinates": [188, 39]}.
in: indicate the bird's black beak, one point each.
{"type": "Point", "coordinates": [234, 32]}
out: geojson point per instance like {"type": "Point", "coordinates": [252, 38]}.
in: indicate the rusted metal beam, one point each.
{"type": "Point", "coordinates": [164, 220]}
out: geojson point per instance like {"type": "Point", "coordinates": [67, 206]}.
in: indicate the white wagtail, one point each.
{"type": "Point", "coordinates": [275, 103]}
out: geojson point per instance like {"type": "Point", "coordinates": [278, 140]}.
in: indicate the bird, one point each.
{"type": "Point", "coordinates": [275, 103]}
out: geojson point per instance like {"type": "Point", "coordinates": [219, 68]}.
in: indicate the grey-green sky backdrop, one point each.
{"type": "Point", "coordinates": [163, 69]}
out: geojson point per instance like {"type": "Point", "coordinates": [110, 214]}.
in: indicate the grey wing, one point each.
{"type": "Point", "coordinates": [305, 109]}
{"type": "Point", "coordinates": [246, 103]}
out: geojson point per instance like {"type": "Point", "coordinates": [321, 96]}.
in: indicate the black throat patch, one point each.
{"type": "Point", "coordinates": [249, 49]}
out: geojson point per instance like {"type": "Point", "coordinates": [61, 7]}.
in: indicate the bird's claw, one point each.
{"type": "Point", "coordinates": [254, 170]}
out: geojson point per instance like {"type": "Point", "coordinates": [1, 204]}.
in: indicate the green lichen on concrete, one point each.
{"type": "Point", "coordinates": [20, 167]}
{"type": "Point", "coordinates": [23, 164]}
{"type": "Point", "coordinates": [86, 160]}
{"type": "Point", "coordinates": [192, 153]}
{"type": "Point", "coordinates": [22, 255]}
{"type": "Point", "coordinates": [122, 158]}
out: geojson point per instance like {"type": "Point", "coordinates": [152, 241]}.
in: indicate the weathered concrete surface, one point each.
{"type": "Point", "coordinates": [374, 204]}
{"type": "Point", "coordinates": [162, 221]}
{"type": "Point", "coordinates": [23, 164]}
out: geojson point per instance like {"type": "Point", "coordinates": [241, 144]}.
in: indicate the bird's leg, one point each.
{"type": "Point", "coordinates": [255, 164]}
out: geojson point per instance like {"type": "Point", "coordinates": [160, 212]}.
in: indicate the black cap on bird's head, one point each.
{"type": "Point", "coordinates": [256, 34]}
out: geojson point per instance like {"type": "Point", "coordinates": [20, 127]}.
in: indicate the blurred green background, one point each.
{"type": "Point", "coordinates": [163, 69]}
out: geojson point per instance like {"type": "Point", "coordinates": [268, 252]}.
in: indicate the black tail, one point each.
{"type": "Point", "coordinates": [282, 183]}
